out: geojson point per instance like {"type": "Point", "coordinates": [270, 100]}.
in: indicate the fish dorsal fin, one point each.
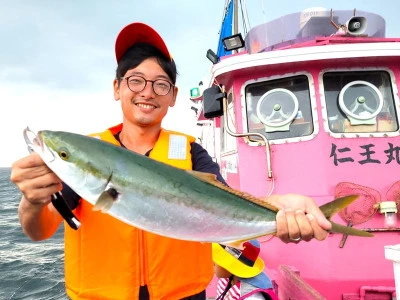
{"type": "Point", "coordinates": [207, 177]}
{"type": "Point", "coordinates": [212, 179]}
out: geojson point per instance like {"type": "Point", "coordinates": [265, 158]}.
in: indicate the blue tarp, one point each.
{"type": "Point", "coordinates": [226, 29]}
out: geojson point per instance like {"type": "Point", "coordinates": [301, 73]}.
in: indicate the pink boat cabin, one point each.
{"type": "Point", "coordinates": [312, 108]}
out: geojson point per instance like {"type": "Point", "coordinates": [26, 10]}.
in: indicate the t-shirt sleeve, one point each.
{"type": "Point", "coordinates": [203, 162]}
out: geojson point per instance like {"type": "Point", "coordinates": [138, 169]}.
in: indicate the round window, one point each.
{"type": "Point", "coordinates": [277, 108]}
{"type": "Point", "coordinates": [361, 100]}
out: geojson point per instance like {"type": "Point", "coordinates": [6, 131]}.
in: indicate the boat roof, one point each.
{"type": "Point", "coordinates": [310, 27]}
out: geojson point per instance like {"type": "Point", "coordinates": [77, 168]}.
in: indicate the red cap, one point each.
{"type": "Point", "coordinates": [138, 33]}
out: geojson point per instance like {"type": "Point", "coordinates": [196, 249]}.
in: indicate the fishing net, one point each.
{"type": "Point", "coordinates": [393, 194]}
{"type": "Point", "coordinates": [363, 208]}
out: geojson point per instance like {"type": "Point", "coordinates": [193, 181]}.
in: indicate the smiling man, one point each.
{"type": "Point", "coordinates": [106, 258]}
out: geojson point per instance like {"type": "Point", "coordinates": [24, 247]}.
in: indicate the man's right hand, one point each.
{"type": "Point", "coordinates": [38, 217]}
{"type": "Point", "coordinates": [34, 179]}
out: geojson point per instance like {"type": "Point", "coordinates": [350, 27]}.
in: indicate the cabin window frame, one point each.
{"type": "Point", "coordinates": [395, 97]}
{"type": "Point", "coordinates": [313, 107]}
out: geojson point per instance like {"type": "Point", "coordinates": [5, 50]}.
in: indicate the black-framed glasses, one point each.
{"type": "Point", "coordinates": [161, 87]}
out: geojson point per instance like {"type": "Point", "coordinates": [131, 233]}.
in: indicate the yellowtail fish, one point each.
{"type": "Point", "coordinates": [159, 198]}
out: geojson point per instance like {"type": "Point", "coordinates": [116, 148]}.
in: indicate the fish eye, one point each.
{"type": "Point", "coordinates": [63, 154]}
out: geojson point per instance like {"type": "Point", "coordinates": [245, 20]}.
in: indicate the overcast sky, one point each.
{"type": "Point", "coordinates": [57, 59]}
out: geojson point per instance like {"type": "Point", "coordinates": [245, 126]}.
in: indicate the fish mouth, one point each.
{"type": "Point", "coordinates": [36, 144]}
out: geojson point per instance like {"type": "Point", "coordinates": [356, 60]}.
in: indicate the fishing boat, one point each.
{"type": "Point", "coordinates": [309, 104]}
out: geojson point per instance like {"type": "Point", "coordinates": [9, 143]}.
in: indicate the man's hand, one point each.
{"type": "Point", "coordinates": [34, 179]}
{"type": "Point", "coordinates": [38, 217]}
{"type": "Point", "coordinates": [299, 218]}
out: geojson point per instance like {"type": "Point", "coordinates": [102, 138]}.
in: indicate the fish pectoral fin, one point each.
{"type": "Point", "coordinates": [105, 201]}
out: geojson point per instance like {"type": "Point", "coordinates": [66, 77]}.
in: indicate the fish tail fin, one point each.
{"type": "Point", "coordinates": [331, 208]}
{"type": "Point", "coordinates": [349, 230]}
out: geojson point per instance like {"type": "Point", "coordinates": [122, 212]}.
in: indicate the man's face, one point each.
{"type": "Point", "coordinates": [145, 108]}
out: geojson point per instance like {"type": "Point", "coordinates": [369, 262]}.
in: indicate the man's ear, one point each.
{"type": "Point", "coordinates": [116, 89]}
{"type": "Point", "coordinates": [175, 94]}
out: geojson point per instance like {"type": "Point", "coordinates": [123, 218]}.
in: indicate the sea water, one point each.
{"type": "Point", "coordinates": [28, 270]}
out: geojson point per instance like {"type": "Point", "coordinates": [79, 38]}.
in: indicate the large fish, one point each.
{"type": "Point", "coordinates": [158, 198]}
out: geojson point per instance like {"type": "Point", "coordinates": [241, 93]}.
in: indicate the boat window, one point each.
{"type": "Point", "coordinates": [359, 102]}
{"type": "Point", "coordinates": [280, 109]}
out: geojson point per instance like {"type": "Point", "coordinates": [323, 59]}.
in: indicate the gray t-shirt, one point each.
{"type": "Point", "coordinates": [246, 288]}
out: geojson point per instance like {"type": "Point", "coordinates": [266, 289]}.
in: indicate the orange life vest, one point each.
{"type": "Point", "coordinates": [108, 259]}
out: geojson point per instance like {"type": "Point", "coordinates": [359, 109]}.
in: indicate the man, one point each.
{"type": "Point", "coordinates": [108, 259]}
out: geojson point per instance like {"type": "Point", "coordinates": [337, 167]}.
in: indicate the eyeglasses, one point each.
{"type": "Point", "coordinates": [137, 84]}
